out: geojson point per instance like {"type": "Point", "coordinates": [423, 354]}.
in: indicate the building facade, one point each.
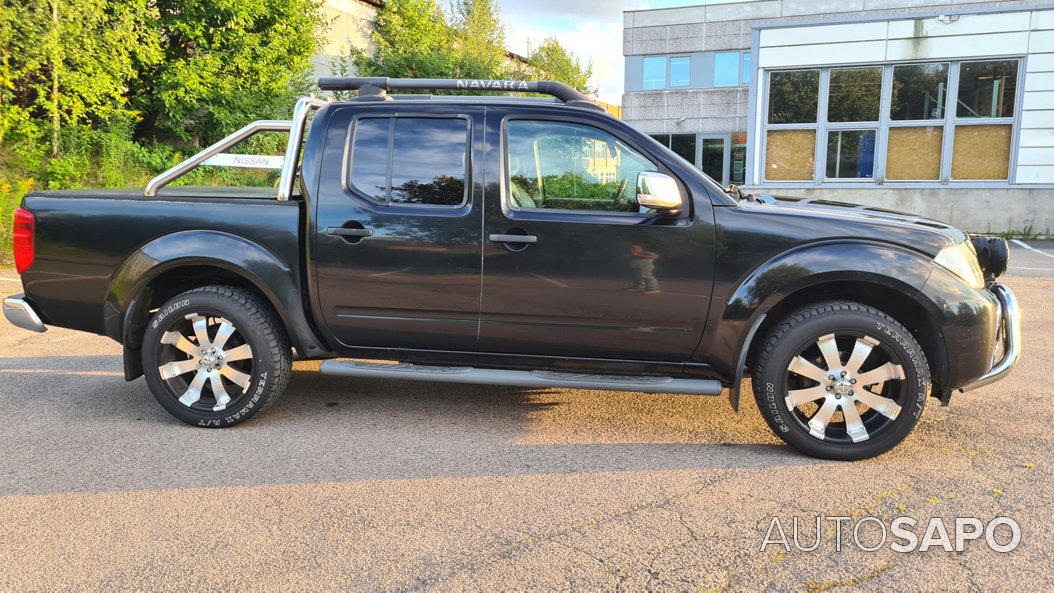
{"type": "Point", "coordinates": [351, 26]}
{"type": "Point", "coordinates": [941, 108]}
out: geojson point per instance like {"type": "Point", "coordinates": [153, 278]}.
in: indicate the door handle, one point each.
{"type": "Point", "coordinates": [499, 238]}
{"type": "Point", "coordinates": [346, 232]}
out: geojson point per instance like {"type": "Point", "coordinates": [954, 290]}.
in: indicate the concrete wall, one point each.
{"type": "Point", "coordinates": [976, 210]}
{"type": "Point", "coordinates": [727, 26]}
{"type": "Point", "coordinates": [351, 27]}
{"type": "Point", "coordinates": [696, 110]}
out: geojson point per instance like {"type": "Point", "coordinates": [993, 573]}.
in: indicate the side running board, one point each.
{"type": "Point", "coordinates": [520, 378]}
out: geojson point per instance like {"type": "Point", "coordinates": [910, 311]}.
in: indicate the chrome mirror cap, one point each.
{"type": "Point", "coordinates": [658, 191]}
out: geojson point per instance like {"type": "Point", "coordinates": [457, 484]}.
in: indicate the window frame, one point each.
{"type": "Point", "coordinates": [738, 69]}
{"type": "Point", "coordinates": [348, 165]}
{"type": "Point", "coordinates": [948, 124]}
{"type": "Point", "coordinates": [669, 71]}
{"type": "Point", "coordinates": [512, 211]}
{"type": "Point", "coordinates": [666, 75]}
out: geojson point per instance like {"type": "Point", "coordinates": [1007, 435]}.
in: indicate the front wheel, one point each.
{"type": "Point", "coordinates": [841, 380]}
{"type": "Point", "coordinates": [215, 356]}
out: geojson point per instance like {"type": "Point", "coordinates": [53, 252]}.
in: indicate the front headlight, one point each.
{"type": "Point", "coordinates": [961, 260]}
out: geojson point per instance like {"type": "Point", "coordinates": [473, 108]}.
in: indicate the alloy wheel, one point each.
{"type": "Point", "coordinates": [844, 387]}
{"type": "Point", "coordinates": [205, 361]}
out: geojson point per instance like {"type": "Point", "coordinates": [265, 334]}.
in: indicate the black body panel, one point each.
{"type": "Point", "coordinates": [571, 293]}
{"type": "Point", "coordinates": [414, 282]}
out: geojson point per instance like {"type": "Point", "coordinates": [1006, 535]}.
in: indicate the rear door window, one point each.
{"type": "Point", "coordinates": [411, 160]}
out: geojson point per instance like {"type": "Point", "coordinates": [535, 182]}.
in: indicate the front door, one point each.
{"type": "Point", "coordinates": [397, 229]}
{"type": "Point", "coordinates": [572, 265]}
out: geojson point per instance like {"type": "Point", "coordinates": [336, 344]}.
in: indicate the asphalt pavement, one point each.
{"type": "Point", "coordinates": [383, 485]}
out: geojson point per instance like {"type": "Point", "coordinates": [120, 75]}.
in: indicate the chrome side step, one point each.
{"type": "Point", "coordinates": [520, 378]}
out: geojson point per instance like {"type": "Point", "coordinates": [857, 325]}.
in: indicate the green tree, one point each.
{"type": "Point", "coordinates": [21, 54]}
{"type": "Point", "coordinates": [412, 41]}
{"type": "Point", "coordinates": [226, 62]}
{"type": "Point", "coordinates": [67, 62]}
{"type": "Point", "coordinates": [553, 61]}
{"type": "Point", "coordinates": [480, 40]}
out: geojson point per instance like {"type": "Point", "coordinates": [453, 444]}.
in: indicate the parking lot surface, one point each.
{"type": "Point", "coordinates": [384, 485]}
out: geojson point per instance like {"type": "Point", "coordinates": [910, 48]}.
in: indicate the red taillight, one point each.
{"type": "Point", "coordinates": [24, 223]}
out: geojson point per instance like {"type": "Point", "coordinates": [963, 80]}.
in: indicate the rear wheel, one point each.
{"type": "Point", "coordinates": [215, 356]}
{"type": "Point", "coordinates": [841, 380]}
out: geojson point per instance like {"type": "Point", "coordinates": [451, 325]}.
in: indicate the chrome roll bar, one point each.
{"type": "Point", "coordinates": [292, 149]}
{"type": "Point", "coordinates": [214, 155]}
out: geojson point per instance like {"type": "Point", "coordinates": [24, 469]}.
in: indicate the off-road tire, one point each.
{"type": "Point", "coordinates": [268, 368]}
{"type": "Point", "coordinates": [793, 337]}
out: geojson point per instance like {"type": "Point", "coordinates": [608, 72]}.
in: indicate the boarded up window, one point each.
{"type": "Point", "coordinates": [914, 153]}
{"type": "Point", "coordinates": [981, 152]}
{"type": "Point", "coordinates": [789, 155]}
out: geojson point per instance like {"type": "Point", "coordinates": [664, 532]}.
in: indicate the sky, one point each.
{"type": "Point", "coordinates": [591, 29]}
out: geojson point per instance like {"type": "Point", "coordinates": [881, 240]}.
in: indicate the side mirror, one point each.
{"type": "Point", "coordinates": [658, 192]}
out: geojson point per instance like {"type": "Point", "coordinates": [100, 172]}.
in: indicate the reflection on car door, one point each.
{"type": "Point", "coordinates": [573, 266]}
{"type": "Point", "coordinates": [397, 231]}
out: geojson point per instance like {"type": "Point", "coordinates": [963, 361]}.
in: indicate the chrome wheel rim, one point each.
{"type": "Point", "coordinates": [845, 387]}
{"type": "Point", "coordinates": [205, 361]}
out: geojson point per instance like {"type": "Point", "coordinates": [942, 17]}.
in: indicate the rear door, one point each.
{"type": "Point", "coordinates": [572, 265]}
{"type": "Point", "coordinates": [397, 227]}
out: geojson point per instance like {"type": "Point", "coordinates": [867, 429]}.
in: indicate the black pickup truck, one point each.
{"type": "Point", "coordinates": [519, 241]}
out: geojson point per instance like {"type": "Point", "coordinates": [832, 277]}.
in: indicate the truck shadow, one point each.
{"type": "Point", "coordinates": [335, 429]}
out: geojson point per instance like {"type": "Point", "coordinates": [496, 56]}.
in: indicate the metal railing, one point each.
{"type": "Point", "coordinates": [214, 155]}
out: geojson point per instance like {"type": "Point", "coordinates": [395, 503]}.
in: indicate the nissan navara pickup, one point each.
{"type": "Point", "coordinates": [525, 241]}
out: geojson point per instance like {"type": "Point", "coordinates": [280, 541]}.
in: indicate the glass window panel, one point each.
{"type": "Point", "coordinates": [792, 96]}
{"type": "Point", "coordinates": [914, 153]}
{"type": "Point", "coordinates": [726, 69]}
{"type": "Point", "coordinates": [981, 152]}
{"type": "Point", "coordinates": [654, 72]}
{"type": "Point", "coordinates": [369, 157]}
{"type": "Point", "coordinates": [714, 158]}
{"type": "Point", "coordinates": [919, 91]}
{"type": "Point", "coordinates": [850, 154]}
{"type": "Point", "coordinates": [854, 94]}
{"type": "Point", "coordinates": [746, 68]}
{"type": "Point", "coordinates": [548, 168]}
{"type": "Point", "coordinates": [428, 161]}
{"type": "Point", "coordinates": [680, 71]}
{"type": "Point", "coordinates": [663, 139]}
{"type": "Point", "coordinates": [684, 146]}
{"type": "Point", "coordinates": [789, 155]}
{"type": "Point", "coordinates": [986, 89]}
{"type": "Point", "coordinates": [739, 158]}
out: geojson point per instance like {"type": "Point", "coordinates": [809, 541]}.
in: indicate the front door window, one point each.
{"type": "Point", "coordinates": [564, 166]}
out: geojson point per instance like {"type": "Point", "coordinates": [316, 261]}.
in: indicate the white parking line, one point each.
{"type": "Point", "coordinates": [1024, 268]}
{"type": "Point", "coordinates": [10, 279]}
{"type": "Point", "coordinates": [1031, 248]}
